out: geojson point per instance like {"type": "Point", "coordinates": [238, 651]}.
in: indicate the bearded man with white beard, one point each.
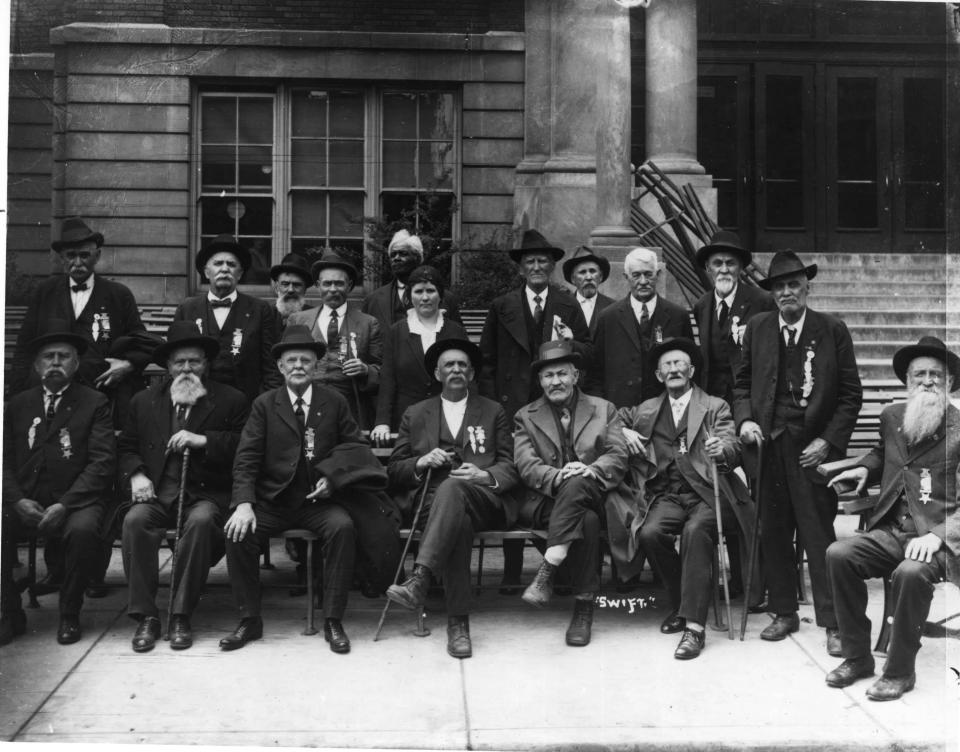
{"type": "Point", "coordinates": [291, 279]}
{"type": "Point", "coordinates": [192, 412]}
{"type": "Point", "coordinates": [913, 533]}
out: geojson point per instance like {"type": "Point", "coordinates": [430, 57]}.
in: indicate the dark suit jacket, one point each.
{"type": "Point", "coordinates": [420, 433]}
{"type": "Point", "coordinates": [897, 467]}
{"type": "Point", "coordinates": [253, 370]}
{"type": "Point", "coordinates": [837, 394]}
{"type": "Point", "coordinates": [506, 377]}
{"type": "Point", "coordinates": [385, 306]}
{"type": "Point", "coordinates": [219, 416]}
{"type": "Point", "coordinates": [622, 373]}
{"type": "Point", "coordinates": [602, 302]}
{"type": "Point", "coordinates": [404, 380]}
{"type": "Point", "coordinates": [747, 302]}
{"type": "Point", "coordinates": [73, 462]}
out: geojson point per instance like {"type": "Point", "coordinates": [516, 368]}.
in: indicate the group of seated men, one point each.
{"type": "Point", "coordinates": [586, 413]}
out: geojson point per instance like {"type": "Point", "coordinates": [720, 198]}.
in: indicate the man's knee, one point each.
{"type": "Point", "coordinates": [912, 573]}
{"type": "Point", "coordinates": [591, 524]}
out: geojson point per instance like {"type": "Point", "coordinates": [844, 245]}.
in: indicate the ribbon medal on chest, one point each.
{"type": "Point", "coordinates": [237, 341]}
{"type": "Point", "coordinates": [736, 331]}
{"type": "Point", "coordinates": [658, 334]}
{"type": "Point", "coordinates": [199, 323]}
{"type": "Point", "coordinates": [682, 449]}
{"type": "Point", "coordinates": [926, 484]}
{"type": "Point", "coordinates": [66, 446]}
{"type": "Point", "coordinates": [309, 443]}
{"type": "Point", "coordinates": [32, 432]}
{"type": "Point", "coordinates": [104, 325]}
{"type": "Point", "coordinates": [353, 345]}
{"type": "Point", "coordinates": [807, 388]}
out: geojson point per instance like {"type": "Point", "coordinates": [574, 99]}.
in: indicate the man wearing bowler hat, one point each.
{"type": "Point", "coordinates": [586, 272]}
{"type": "Point", "coordinates": [244, 326]}
{"type": "Point", "coordinates": [353, 339]}
{"type": "Point", "coordinates": [291, 279]}
{"type": "Point", "coordinates": [723, 312]}
{"type": "Point", "coordinates": [569, 450]}
{"type": "Point", "coordinates": [463, 440]}
{"type": "Point", "coordinates": [188, 411]}
{"type": "Point", "coordinates": [59, 461]}
{"type": "Point", "coordinates": [912, 535]}
{"type": "Point", "coordinates": [797, 389]}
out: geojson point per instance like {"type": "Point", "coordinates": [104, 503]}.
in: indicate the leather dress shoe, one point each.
{"type": "Point", "coordinates": [49, 584]}
{"type": "Point", "coordinates": [147, 634]}
{"type": "Point", "coordinates": [181, 636]}
{"type": "Point", "coordinates": [834, 646]}
{"type": "Point", "coordinates": [578, 633]}
{"type": "Point", "coordinates": [539, 592]}
{"type": "Point", "coordinates": [849, 671]}
{"type": "Point", "coordinates": [458, 637]}
{"type": "Point", "coordinates": [673, 624]}
{"type": "Point", "coordinates": [248, 630]}
{"type": "Point", "coordinates": [690, 645]}
{"type": "Point", "coordinates": [12, 624]}
{"type": "Point", "coordinates": [69, 630]}
{"type": "Point", "coordinates": [334, 633]}
{"type": "Point", "coordinates": [781, 626]}
{"type": "Point", "coordinates": [891, 688]}
{"type": "Point", "coordinates": [413, 593]}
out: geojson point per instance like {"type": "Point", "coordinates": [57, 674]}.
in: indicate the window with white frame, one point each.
{"type": "Point", "coordinates": [298, 168]}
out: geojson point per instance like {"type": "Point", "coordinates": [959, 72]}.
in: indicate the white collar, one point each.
{"type": "Point", "coordinates": [232, 297]}
{"type": "Point", "coordinates": [586, 301]}
{"type": "Point", "coordinates": [531, 294]}
{"type": "Point", "coordinates": [305, 397]}
{"type": "Point", "coordinates": [680, 403]}
{"type": "Point", "coordinates": [717, 299]}
{"type": "Point", "coordinates": [416, 326]}
{"type": "Point", "coordinates": [88, 282]}
{"type": "Point", "coordinates": [458, 405]}
{"type": "Point", "coordinates": [798, 326]}
{"type": "Point", "coordinates": [638, 306]}
{"type": "Point", "coordinates": [341, 311]}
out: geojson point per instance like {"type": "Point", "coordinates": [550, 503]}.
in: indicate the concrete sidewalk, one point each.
{"type": "Point", "coordinates": [523, 689]}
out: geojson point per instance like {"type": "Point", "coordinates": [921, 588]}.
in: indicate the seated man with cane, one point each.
{"type": "Point", "coordinates": [282, 480]}
{"type": "Point", "coordinates": [188, 428]}
{"type": "Point", "coordinates": [913, 533]}
{"type": "Point", "coordinates": [682, 433]}
{"type": "Point", "coordinates": [462, 443]}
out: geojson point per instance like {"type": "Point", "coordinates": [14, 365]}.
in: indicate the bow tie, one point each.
{"type": "Point", "coordinates": [78, 288]}
{"type": "Point", "coordinates": [225, 303]}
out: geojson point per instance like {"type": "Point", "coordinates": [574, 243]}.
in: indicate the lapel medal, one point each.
{"type": "Point", "coordinates": [683, 445]}
{"type": "Point", "coordinates": [807, 376]}
{"type": "Point", "coordinates": [481, 437]}
{"type": "Point", "coordinates": [95, 327]}
{"type": "Point", "coordinates": [658, 334]}
{"type": "Point", "coordinates": [199, 323]}
{"type": "Point", "coordinates": [926, 484]}
{"type": "Point", "coordinates": [736, 331]}
{"type": "Point", "coordinates": [237, 341]}
{"type": "Point", "coordinates": [472, 434]}
{"type": "Point", "coordinates": [310, 442]}
{"type": "Point", "coordinates": [32, 432]}
{"type": "Point", "coordinates": [65, 446]}
{"type": "Point", "coordinates": [105, 325]}
{"type": "Point", "coordinates": [353, 345]}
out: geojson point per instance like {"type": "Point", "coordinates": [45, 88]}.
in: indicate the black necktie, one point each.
{"type": "Point", "coordinates": [298, 411]}
{"type": "Point", "coordinates": [565, 420]}
{"type": "Point", "coordinates": [537, 309]}
{"type": "Point", "coordinates": [181, 417]}
{"type": "Point", "coordinates": [724, 312]}
{"type": "Point", "coordinates": [644, 316]}
{"type": "Point", "coordinates": [791, 336]}
{"type": "Point", "coordinates": [224, 303]}
{"type": "Point", "coordinates": [52, 406]}
{"type": "Point", "coordinates": [333, 328]}
{"type": "Point", "coordinates": [78, 288]}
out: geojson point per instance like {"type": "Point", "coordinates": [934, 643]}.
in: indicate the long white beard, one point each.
{"type": "Point", "coordinates": [923, 414]}
{"type": "Point", "coordinates": [725, 285]}
{"type": "Point", "coordinates": [287, 305]}
{"type": "Point", "coordinates": [186, 389]}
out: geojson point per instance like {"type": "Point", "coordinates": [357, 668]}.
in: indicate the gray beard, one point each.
{"type": "Point", "coordinates": [186, 389]}
{"type": "Point", "coordinates": [286, 306]}
{"type": "Point", "coordinates": [725, 287]}
{"type": "Point", "coordinates": [923, 415]}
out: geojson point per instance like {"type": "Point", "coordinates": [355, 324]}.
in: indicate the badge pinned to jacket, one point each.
{"type": "Point", "coordinates": [32, 432]}
{"type": "Point", "coordinates": [66, 445]}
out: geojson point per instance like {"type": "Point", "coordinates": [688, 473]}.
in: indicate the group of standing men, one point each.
{"type": "Point", "coordinates": [617, 418]}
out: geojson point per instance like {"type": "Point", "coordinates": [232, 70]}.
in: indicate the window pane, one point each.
{"type": "Point", "coordinates": [261, 253]}
{"type": "Point", "coordinates": [218, 168]}
{"type": "Point", "coordinates": [784, 152]}
{"type": "Point", "coordinates": [399, 115]}
{"type": "Point", "coordinates": [309, 116]}
{"type": "Point", "coordinates": [309, 248]}
{"type": "Point", "coordinates": [346, 114]}
{"type": "Point", "coordinates": [717, 139]}
{"type": "Point", "coordinates": [255, 168]}
{"type": "Point", "coordinates": [309, 213]}
{"type": "Point", "coordinates": [393, 206]}
{"type": "Point", "coordinates": [399, 159]}
{"type": "Point", "coordinates": [255, 216]}
{"type": "Point", "coordinates": [436, 165]}
{"type": "Point", "coordinates": [857, 189]}
{"type": "Point", "coordinates": [784, 204]}
{"type": "Point", "coordinates": [308, 162]}
{"type": "Point", "coordinates": [436, 115]}
{"type": "Point", "coordinates": [255, 121]}
{"type": "Point", "coordinates": [218, 118]}
{"type": "Point", "coordinates": [346, 163]}
{"type": "Point", "coordinates": [857, 206]}
{"type": "Point", "coordinates": [346, 214]}
{"type": "Point", "coordinates": [214, 219]}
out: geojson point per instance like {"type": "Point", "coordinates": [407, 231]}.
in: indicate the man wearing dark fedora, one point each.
{"type": "Point", "coordinates": [797, 389]}
{"type": "Point", "coordinates": [722, 313]}
{"type": "Point", "coordinates": [569, 450]}
{"type": "Point", "coordinates": [463, 440]}
{"type": "Point", "coordinates": [586, 272]}
{"type": "Point", "coordinates": [681, 434]}
{"type": "Point", "coordinates": [291, 279]}
{"type": "Point", "coordinates": [244, 326]}
{"type": "Point", "coordinates": [912, 535]}
{"type": "Point", "coordinates": [277, 485]}
{"type": "Point", "coordinates": [353, 339]}
{"type": "Point", "coordinates": [59, 462]}
{"type": "Point", "coordinates": [189, 411]}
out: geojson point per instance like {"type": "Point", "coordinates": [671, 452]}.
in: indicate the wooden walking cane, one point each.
{"type": "Point", "coordinates": [754, 541]}
{"type": "Point", "coordinates": [720, 547]}
{"type": "Point", "coordinates": [403, 556]}
{"type": "Point", "coordinates": [176, 538]}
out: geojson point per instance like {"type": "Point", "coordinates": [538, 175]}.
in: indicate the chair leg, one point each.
{"type": "Point", "coordinates": [32, 573]}
{"type": "Point", "coordinates": [480, 566]}
{"type": "Point", "coordinates": [310, 630]}
{"type": "Point", "coordinates": [883, 639]}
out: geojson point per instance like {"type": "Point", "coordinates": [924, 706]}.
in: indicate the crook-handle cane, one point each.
{"type": "Point", "coordinates": [721, 557]}
{"type": "Point", "coordinates": [754, 541]}
{"type": "Point", "coordinates": [176, 537]}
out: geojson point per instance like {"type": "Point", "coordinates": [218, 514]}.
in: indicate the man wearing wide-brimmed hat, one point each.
{"type": "Point", "coordinates": [188, 411]}
{"type": "Point", "coordinates": [797, 389]}
{"type": "Point", "coordinates": [102, 312]}
{"type": "Point", "coordinates": [353, 339]}
{"type": "Point", "coordinates": [913, 533]}
{"type": "Point", "coordinates": [569, 450]}
{"type": "Point", "coordinates": [586, 272]}
{"type": "Point", "coordinates": [722, 312]}
{"type": "Point", "coordinates": [463, 440]}
{"type": "Point", "coordinates": [244, 326]}
{"type": "Point", "coordinates": [291, 279]}
{"type": "Point", "coordinates": [59, 461]}
{"type": "Point", "coordinates": [389, 304]}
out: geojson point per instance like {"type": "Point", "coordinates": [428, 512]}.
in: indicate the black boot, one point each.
{"type": "Point", "coordinates": [578, 633]}
{"type": "Point", "coordinates": [412, 593]}
{"type": "Point", "coordinates": [539, 592]}
{"type": "Point", "coordinates": [458, 637]}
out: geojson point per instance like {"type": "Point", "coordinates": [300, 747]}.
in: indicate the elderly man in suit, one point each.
{"type": "Point", "coordinates": [622, 370]}
{"type": "Point", "coordinates": [59, 463]}
{"type": "Point", "coordinates": [187, 412]}
{"type": "Point", "coordinates": [681, 433]}
{"type": "Point", "coordinates": [246, 327]}
{"type": "Point", "coordinates": [723, 312]}
{"type": "Point", "coordinates": [586, 272]}
{"type": "Point", "coordinates": [283, 478]}
{"type": "Point", "coordinates": [797, 389]}
{"type": "Point", "coordinates": [569, 450]}
{"type": "Point", "coordinates": [913, 533]}
{"type": "Point", "coordinates": [389, 304]}
{"type": "Point", "coordinates": [463, 441]}
{"type": "Point", "coordinates": [353, 340]}
{"type": "Point", "coordinates": [291, 278]}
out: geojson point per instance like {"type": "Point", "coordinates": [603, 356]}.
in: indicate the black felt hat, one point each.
{"type": "Point", "coordinates": [533, 242]}
{"type": "Point", "coordinates": [222, 244]}
{"type": "Point", "coordinates": [555, 351]}
{"type": "Point", "coordinates": [432, 356]}
{"type": "Point", "coordinates": [57, 330]}
{"type": "Point", "coordinates": [292, 263]}
{"type": "Point", "coordinates": [585, 254]}
{"type": "Point", "coordinates": [297, 337]}
{"type": "Point", "coordinates": [786, 264]}
{"type": "Point", "coordinates": [185, 334]}
{"type": "Point", "coordinates": [724, 241]}
{"type": "Point", "coordinates": [333, 260]}
{"type": "Point", "coordinates": [929, 347]}
{"type": "Point", "coordinates": [74, 231]}
{"type": "Point", "coordinates": [676, 343]}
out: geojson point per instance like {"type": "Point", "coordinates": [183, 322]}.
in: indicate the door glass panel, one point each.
{"type": "Point", "coordinates": [923, 154]}
{"type": "Point", "coordinates": [784, 152]}
{"type": "Point", "coordinates": [716, 139]}
{"type": "Point", "coordinates": [857, 187]}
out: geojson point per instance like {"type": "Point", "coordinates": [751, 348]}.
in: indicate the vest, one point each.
{"type": "Point", "coordinates": [787, 410]}
{"type": "Point", "coordinates": [718, 344]}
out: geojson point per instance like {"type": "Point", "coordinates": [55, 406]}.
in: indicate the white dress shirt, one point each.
{"type": "Point", "coordinates": [304, 398]}
{"type": "Point", "coordinates": [587, 305]}
{"type": "Point", "coordinates": [798, 327]}
{"type": "Point", "coordinates": [80, 298]}
{"type": "Point", "coordinates": [531, 295]}
{"type": "Point", "coordinates": [221, 313]}
{"type": "Point", "coordinates": [638, 306]}
{"type": "Point", "coordinates": [323, 320]}
{"type": "Point", "coordinates": [453, 413]}
{"type": "Point", "coordinates": [717, 300]}
{"type": "Point", "coordinates": [678, 405]}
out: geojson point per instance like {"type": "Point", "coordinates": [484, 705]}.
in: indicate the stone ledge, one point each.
{"type": "Point", "coordinates": [33, 61]}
